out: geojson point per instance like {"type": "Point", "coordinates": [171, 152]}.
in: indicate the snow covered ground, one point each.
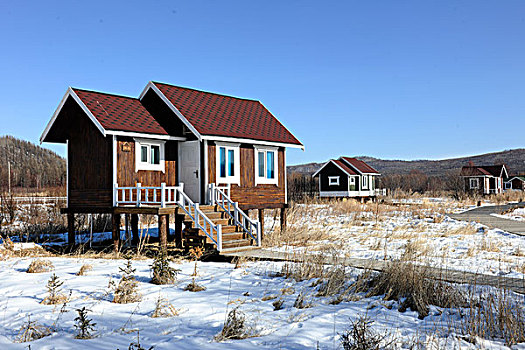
{"type": "Point", "coordinates": [202, 314]}
{"type": "Point", "coordinates": [424, 234]}
{"type": "Point", "coordinates": [517, 214]}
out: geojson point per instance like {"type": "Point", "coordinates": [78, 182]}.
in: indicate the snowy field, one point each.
{"type": "Point", "coordinates": [420, 232]}
{"type": "Point", "coordinates": [252, 288]}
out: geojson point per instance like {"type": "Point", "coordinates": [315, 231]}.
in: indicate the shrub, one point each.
{"type": "Point", "coordinates": [278, 304]}
{"type": "Point", "coordinates": [53, 288]}
{"type": "Point", "coordinates": [127, 289]}
{"type": "Point", "coordinates": [234, 327]}
{"type": "Point", "coordinates": [39, 266]}
{"type": "Point", "coordinates": [360, 336]}
{"type": "Point", "coordinates": [161, 270]}
{"type": "Point", "coordinates": [32, 331]}
{"type": "Point", "coordinates": [300, 302]}
{"type": "Point", "coordinates": [84, 324]}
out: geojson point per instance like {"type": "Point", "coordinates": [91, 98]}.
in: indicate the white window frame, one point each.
{"type": "Point", "coordinates": [333, 180]}
{"type": "Point", "coordinates": [235, 179]}
{"type": "Point", "coordinates": [140, 165]}
{"type": "Point", "coordinates": [508, 185]}
{"type": "Point", "coordinates": [471, 181]}
{"type": "Point", "coordinates": [364, 182]}
{"type": "Point", "coordinates": [259, 180]}
{"type": "Point", "coordinates": [352, 180]}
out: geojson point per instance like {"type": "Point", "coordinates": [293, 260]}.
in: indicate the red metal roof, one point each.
{"type": "Point", "coordinates": [360, 165]}
{"type": "Point", "coordinates": [121, 113]}
{"type": "Point", "coordinates": [485, 170]}
{"type": "Point", "coordinates": [219, 115]}
{"type": "Point", "coordinates": [344, 167]}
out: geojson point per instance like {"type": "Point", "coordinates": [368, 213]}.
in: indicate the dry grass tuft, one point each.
{"type": "Point", "coordinates": [235, 327]}
{"type": "Point", "coordinates": [415, 287]}
{"type": "Point", "coordinates": [84, 269]}
{"type": "Point", "coordinates": [31, 330]}
{"type": "Point", "coordinates": [164, 309]}
{"type": "Point", "coordinates": [40, 265]}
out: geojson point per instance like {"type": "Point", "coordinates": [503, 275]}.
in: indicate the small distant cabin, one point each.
{"type": "Point", "coordinates": [486, 179]}
{"type": "Point", "coordinates": [515, 183]}
{"type": "Point", "coordinates": [206, 158]}
{"type": "Point", "coordinates": [347, 177]}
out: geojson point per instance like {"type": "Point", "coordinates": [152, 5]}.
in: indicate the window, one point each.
{"type": "Point", "coordinates": [149, 155]}
{"type": "Point", "coordinates": [352, 180]}
{"type": "Point", "coordinates": [365, 181]}
{"type": "Point", "coordinates": [266, 165]}
{"type": "Point", "coordinates": [474, 183]}
{"type": "Point", "coordinates": [508, 185]}
{"type": "Point", "coordinates": [333, 180]}
{"type": "Point", "coordinates": [227, 163]}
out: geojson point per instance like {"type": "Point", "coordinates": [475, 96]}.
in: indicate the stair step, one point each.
{"type": "Point", "coordinates": [226, 251]}
{"type": "Point", "coordinates": [236, 243]}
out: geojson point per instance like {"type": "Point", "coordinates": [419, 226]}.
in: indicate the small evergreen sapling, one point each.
{"type": "Point", "coordinates": [161, 270]}
{"type": "Point", "coordinates": [84, 324]}
{"type": "Point", "coordinates": [53, 288]}
{"type": "Point", "coordinates": [127, 289]}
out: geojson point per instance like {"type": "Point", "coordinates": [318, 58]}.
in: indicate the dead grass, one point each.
{"type": "Point", "coordinates": [31, 330]}
{"type": "Point", "coordinates": [164, 309]}
{"type": "Point", "coordinates": [40, 265]}
{"type": "Point", "coordinates": [84, 269]}
{"type": "Point", "coordinates": [235, 327]}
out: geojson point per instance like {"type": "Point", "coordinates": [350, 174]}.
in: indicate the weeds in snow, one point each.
{"type": "Point", "coordinates": [84, 269]}
{"type": "Point", "coordinates": [235, 327]}
{"type": "Point", "coordinates": [40, 265]}
{"type": "Point", "coordinates": [361, 336]}
{"type": "Point", "coordinates": [31, 330]}
{"type": "Point", "coordinates": [127, 289]}
{"type": "Point", "coordinates": [161, 270]}
{"type": "Point", "coordinates": [84, 325]}
{"type": "Point", "coordinates": [163, 309]}
{"type": "Point", "coordinates": [55, 295]}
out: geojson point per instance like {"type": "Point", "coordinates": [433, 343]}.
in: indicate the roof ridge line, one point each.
{"type": "Point", "coordinates": [207, 92]}
{"type": "Point", "coordinates": [105, 93]}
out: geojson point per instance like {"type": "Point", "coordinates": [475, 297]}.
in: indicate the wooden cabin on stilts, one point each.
{"type": "Point", "coordinates": [202, 158]}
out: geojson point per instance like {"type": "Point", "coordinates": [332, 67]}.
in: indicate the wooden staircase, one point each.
{"type": "Point", "coordinates": [233, 237]}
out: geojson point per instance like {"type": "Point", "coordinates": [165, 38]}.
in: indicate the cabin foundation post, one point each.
{"type": "Point", "coordinates": [163, 233]}
{"type": "Point", "coordinates": [283, 219]}
{"type": "Point", "coordinates": [135, 229]}
{"type": "Point", "coordinates": [116, 232]}
{"type": "Point", "coordinates": [70, 231]}
{"type": "Point", "coordinates": [178, 229]}
{"type": "Point", "coordinates": [261, 220]}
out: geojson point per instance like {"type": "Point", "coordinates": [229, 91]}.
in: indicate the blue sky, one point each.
{"type": "Point", "coordinates": [390, 79]}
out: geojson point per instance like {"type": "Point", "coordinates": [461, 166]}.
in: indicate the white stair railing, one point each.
{"type": "Point", "coordinates": [218, 197]}
{"type": "Point", "coordinates": [168, 195]}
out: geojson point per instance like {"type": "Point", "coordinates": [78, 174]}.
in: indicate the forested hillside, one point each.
{"type": "Point", "coordinates": [31, 166]}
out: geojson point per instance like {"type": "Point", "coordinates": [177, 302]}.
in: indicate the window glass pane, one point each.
{"type": "Point", "coordinates": [144, 154]}
{"type": "Point", "coordinates": [155, 154]}
{"type": "Point", "coordinates": [260, 155]}
{"type": "Point", "coordinates": [270, 174]}
{"type": "Point", "coordinates": [222, 162]}
{"type": "Point", "coordinates": [230, 163]}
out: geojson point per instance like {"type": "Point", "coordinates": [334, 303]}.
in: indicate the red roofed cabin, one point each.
{"type": "Point", "coordinates": [486, 179]}
{"type": "Point", "coordinates": [204, 157]}
{"type": "Point", "coordinates": [347, 177]}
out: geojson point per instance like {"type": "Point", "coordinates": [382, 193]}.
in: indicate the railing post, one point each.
{"type": "Point", "coordinates": [138, 194]}
{"type": "Point", "coordinates": [258, 233]}
{"type": "Point", "coordinates": [212, 194]}
{"type": "Point", "coordinates": [236, 211]}
{"type": "Point", "coordinates": [219, 237]}
{"type": "Point", "coordinates": [196, 208]}
{"type": "Point", "coordinates": [163, 195]}
{"type": "Point", "coordinates": [115, 194]}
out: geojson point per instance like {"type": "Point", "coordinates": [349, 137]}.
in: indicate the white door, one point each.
{"type": "Point", "coordinates": [189, 164]}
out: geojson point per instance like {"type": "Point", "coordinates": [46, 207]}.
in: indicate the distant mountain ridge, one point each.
{"type": "Point", "coordinates": [514, 160]}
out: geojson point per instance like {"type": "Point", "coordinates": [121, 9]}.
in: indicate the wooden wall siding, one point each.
{"type": "Point", "coordinates": [247, 194]}
{"type": "Point", "coordinates": [89, 161]}
{"type": "Point", "coordinates": [517, 184]}
{"type": "Point", "coordinates": [332, 170]}
{"type": "Point", "coordinates": [126, 175]}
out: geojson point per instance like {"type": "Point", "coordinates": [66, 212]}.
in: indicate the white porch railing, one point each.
{"type": "Point", "coordinates": [218, 197]}
{"type": "Point", "coordinates": [380, 191]}
{"type": "Point", "coordinates": [168, 195]}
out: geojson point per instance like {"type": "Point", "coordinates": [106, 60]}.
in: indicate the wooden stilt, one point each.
{"type": "Point", "coordinates": [127, 230]}
{"type": "Point", "coordinates": [116, 232]}
{"type": "Point", "coordinates": [163, 233]}
{"type": "Point", "coordinates": [261, 220]}
{"type": "Point", "coordinates": [135, 229]}
{"type": "Point", "coordinates": [178, 229]}
{"type": "Point", "coordinates": [283, 219]}
{"type": "Point", "coordinates": [70, 231]}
